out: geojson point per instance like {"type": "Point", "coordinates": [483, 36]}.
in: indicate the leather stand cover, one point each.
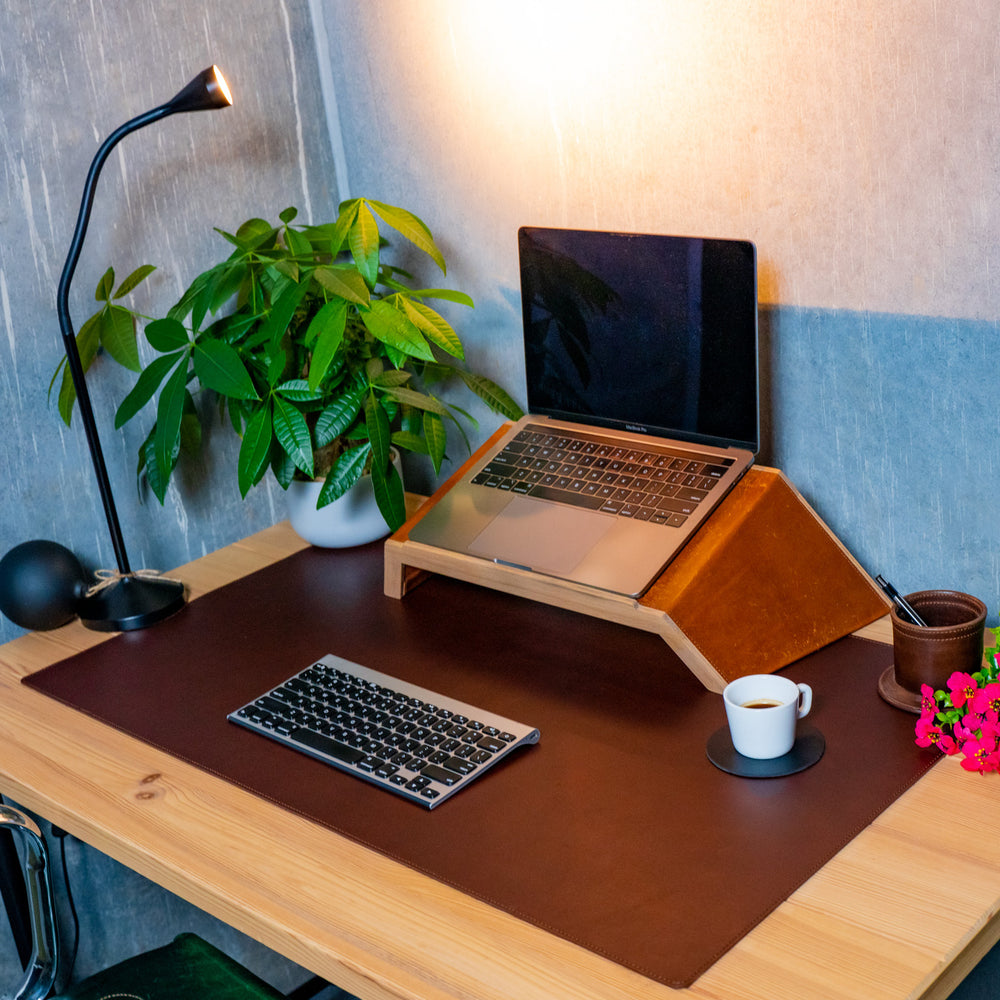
{"type": "Point", "coordinates": [615, 831]}
{"type": "Point", "coordinates": [752, 590]}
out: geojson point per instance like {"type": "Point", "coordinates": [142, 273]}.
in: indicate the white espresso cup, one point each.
{"type": "Point", "coordinates": [763, 710]}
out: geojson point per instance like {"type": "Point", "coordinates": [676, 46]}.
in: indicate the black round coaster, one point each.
{"type": "Point", "coordinates": [807, 749]}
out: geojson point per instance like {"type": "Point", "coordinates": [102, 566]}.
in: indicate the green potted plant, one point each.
{"type": "Point", "coordinates": [321, 356]}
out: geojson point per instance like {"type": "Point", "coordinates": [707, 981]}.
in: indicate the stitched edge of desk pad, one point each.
{"type": "Point", "coordinates": [614, 832]}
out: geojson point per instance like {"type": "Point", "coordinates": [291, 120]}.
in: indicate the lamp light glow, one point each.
{"type": "Point", "coordinates": [220, 82]}
{"type": "Point", "coordinates": [131, 601]}
{"type": "Point", "coordinates": [207, 91]}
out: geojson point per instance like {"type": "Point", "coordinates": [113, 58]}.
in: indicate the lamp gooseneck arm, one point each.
{"type": "Point", "coordinates": [131, 600]}
{"type": "Point", "coordinates": [69, 335]}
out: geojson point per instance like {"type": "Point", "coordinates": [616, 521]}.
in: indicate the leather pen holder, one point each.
{"type": "Point", "coordinates": [951, 639]}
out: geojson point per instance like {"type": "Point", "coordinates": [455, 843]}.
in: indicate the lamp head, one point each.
{"type": "Point", "coordinates": [208, 90]}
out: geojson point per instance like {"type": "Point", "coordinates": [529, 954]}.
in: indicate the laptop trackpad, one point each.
{"type": "Point", "coordinates": [541, 536]}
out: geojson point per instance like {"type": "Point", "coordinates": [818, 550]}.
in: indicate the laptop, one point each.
{"type": "Point", "coordinates": [642, 392]}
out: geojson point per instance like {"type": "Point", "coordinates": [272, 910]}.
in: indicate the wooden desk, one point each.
{"type": "Point", "coordinates": [904, 910]}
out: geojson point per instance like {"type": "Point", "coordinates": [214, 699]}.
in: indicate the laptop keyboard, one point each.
{"type": "Point", "coordinates": [587, 470]}
{"type": "Point", "coordinates": [411, 741]}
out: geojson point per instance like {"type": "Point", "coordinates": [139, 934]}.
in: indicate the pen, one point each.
{"type": "Point", "coordinates": [905, 610]}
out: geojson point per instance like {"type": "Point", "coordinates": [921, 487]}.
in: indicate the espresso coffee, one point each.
{"type": "Point", "coordinates": [761, 703]}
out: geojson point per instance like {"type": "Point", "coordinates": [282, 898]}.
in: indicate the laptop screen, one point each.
{"type": "Point", "coordinates": [656, 334]}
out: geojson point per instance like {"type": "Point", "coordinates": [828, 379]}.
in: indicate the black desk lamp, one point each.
{"type": "Point", "coordinates": [130, 601]}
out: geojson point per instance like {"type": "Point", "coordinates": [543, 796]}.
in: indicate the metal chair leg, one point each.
{"type": "Point", "coordinates": [41, 968]}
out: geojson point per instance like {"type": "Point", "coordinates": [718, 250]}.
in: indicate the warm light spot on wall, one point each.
{"type": "Point", "coordinates": [560, 109]}
{"type": "Point", "coordinates": [585, 50]}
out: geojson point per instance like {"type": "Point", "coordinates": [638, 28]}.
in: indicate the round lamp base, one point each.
{"type": "Point", "coordinates": [131, 603]}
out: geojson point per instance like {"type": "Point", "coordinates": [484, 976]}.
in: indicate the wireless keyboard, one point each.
{"type": "Point", "coordinates": [411, 741]}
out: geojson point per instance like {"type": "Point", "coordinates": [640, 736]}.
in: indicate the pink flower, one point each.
{"type": "Point", "coordinates": [930, 734]}
{"type": "Point", "coordinates": [967, 727]}
{"type": "Point", "coordinates": [982, 754]}
{"type": "Point", "coordinates": [986, 702]}
{"type": "Point", "coordinates": [928, 706]}
{"type": "Point", "coordinates": [962, 686]}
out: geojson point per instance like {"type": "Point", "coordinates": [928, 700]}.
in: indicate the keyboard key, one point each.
{"type": "Point", "coordinates": [441, 774]}
{"type": "Point", "coordinates": [325, 745]}
{"type": "Point", "coordinates": [491, 744]}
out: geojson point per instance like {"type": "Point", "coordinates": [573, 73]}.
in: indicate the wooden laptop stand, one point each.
{"type": "Point", "coordinates": [763, 583]}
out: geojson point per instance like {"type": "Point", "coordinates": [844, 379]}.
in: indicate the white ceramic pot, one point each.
{"type": "Point", "coordinates": [353, 519]}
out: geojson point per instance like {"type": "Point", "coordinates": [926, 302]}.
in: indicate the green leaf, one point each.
{"type": "Point", "coordinates": [166, 335]}
{"type": "Point", "coordinates": [88, 340]}
{"type": "Point", "coordinates": [338, 416]}
{"type": "Point", "coordinates": [292, 432]}
{"type": "Point", "coordinates": [87, 343]}
{"type": "Point", "coordinates": [282, 311]}
{"type": "Point", "coordinates": [169, 411]}
{"type": "Point", "coordinates": [436, 437]}
{"type": "Point", "coordinates": [363, 241]}
{"type": "Point", "coordinates": [298, 390]}
{"type": "Point", "coordinates": [410, 441]}
{"type": "Point", "coordinates": [105, 285]}
{"type": "Point", "coordinates": [346, 471]}
{"type": "Point", "coordinates": [116, 326]}
{"type": "Point", "coordinates": [434, 327]}
{"type": "Point", "coordinates": [298, 243]}
{"type": "Point", "coordinates": [147, 465]}
{"type": "Point", "coordinates": [446, 294]}
{"type": "Point", "coordinates": [201, 306]}
{"type": "Point", "coordinates": [344, 282]}
{"type": "Point", "coordinates": [338, 236]}
{"type": "Point", "coordinates": [282, 467]}
{"type": "Point", "coordinates": [255, 450]}
{"type": "Point", "coordinates": [67, 397]}
{"type": "Point", "coordinates": [389, 496]}
{"type": "Point", "coordinates": [288, 215]}
{"type": "Point", "coordinates": [379, 432]}
{"type": "Point", "coordinates": [286, 268]}
{"type": "Point", "coordinates": [392, 327]}
{"type": "Point", "coordinates": [329, 238]}
{"type": "Point", "coordinates": [390, 379]}
{"type": "Point", "coordinates": [421, 400]}
{"type": "Point", "coordinates": [326, 331]}
{"type": "Point", "coordinates": [408, 225]}
{"type": "Point", "coordinates": [135, 278]}
{"type": "Point", "coordinates": [468, 417]}
{"type": "Point", "coordinates": [146, 385]}
{"type": "Point", "coordinates": [252, 235]}
{"type": "Point", "coordinates": [227, 281]}
{"type": "Point", "coordinates": [276, 361]}
{"type": "Point", "coordinates": [182, 307]}
{"type": "Point", "coordinates": [220, 368]}
{"type": "Point", "coordinates": [491, 394]}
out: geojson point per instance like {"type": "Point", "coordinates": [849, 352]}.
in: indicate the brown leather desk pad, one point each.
{"type": "Point", "coordinates": [615, 831]}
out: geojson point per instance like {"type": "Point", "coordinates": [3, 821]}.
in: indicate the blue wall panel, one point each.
{"type": "Point", "coordinates": [889, 426]}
